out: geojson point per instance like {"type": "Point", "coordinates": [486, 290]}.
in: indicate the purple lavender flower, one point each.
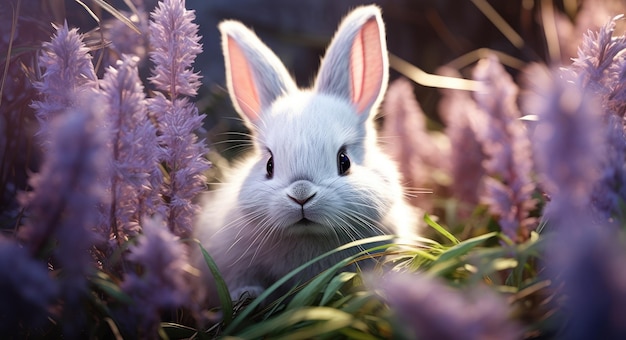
{"type": "Point", "coordinates": [26, 289]}
{"type": "Point", "coordinates": [459, 113]}
{"type": "Point", "coordinates": [568, 141]}
{"type": "Point", "coordinates": [406, 138]}
{"type": "Point", "coordinates": [162, 284]}
{"type": "Point", "coordinates": [433, 310]}
{"type": "Point", "coordinates": [62, 208]}
{"type": "Point", "coordinates": [596, 55]}
{"type": "Point", "coordinates": [175, 44]}
{"type": "Point", "coordinates": [68, 71]}
{"type": "Point", "coordinates": [602, 66]}
{"type": "Point", "coordinates": [174, 40]}
{"type": "Point", "coordinates": [184, 156]}
{"type": "Point", "coordinates": [136, 177]}
{"type": "Point", "coordinates": [507, 188]}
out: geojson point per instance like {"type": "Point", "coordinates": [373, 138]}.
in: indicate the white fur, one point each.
{"type": "Point", "coordinates": [251, 226]}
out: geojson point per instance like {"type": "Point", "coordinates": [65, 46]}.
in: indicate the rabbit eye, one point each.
{"type": "Point", "coordinates": [270, 167]}
{"type": "Point", "coordinates": [343, 162]}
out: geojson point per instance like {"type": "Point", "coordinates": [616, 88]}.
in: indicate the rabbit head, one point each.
{"type": "Point", "coordinates": [318, 168]}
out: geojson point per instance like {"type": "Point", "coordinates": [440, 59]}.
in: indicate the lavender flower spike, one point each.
{"type": "Point", "coordinates": [460, 113]}
{"type": "Point", "coordinates": [62, 208]}
{"type": "Point", "coordinates": [162, 286]}
{"type": "Point", "coordinates": [174, 39]}
{"type": "Point", "coordinates": [596, 56]}
{"type": "Point", "coordinates": [175, 44]}
{"type": "Point", "coordinates": [507, 188]}
{"type": "Point", "coordinates": [68, 70]}
{"type": "Point", "coordinates": [568, 141]}
{"type": "Point", "coordinates": [135, 150]}
{"type": "Point", "coordinates": [420, 156]}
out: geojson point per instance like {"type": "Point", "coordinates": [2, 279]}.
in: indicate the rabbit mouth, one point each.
{"type": "Point", "coordinates": [306, 226]}
{"type": "Point", "coordinates": [305, 222]}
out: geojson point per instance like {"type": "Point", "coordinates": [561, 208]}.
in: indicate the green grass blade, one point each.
{"type": "Point", "coordinates": [243, 315]}
{"type": "Point", "coordinates": [464, 247]}
{"type": "Point", "coordinates": [332, 319]}
{"type": "Point", "coordinates": [308, 294]}
{"type": "Point", "coordinates": [334, 285]}
{"type": "Point", "coordinates": [103, 282]}
{"type": "Point", "coordinates": [440, 229]}
{"type": "Point", "coordinates": [222, 289]}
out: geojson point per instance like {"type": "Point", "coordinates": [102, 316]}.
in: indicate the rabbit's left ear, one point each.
{"type": "Point", "coordinates": [254, 74]}
{"type": "Point", "coordinates": [355, 66]}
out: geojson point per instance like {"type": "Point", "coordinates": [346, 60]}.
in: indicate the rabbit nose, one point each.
{"type": "Point", "coordinates": [301, 201]}
{"type": "Point", "coordinates": [301, 192]}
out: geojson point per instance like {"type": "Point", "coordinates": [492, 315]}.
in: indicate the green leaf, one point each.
{"type": "Point", "coordinates": [350, 333]}
{"type": "Point", "coordinates": [334, 285]}
{"type": "Point", "coordinates": [242, 316]}
{"type": "Point", "coordinates": [308, 294]}
{"type": "Point", "coordinates": [222, 289]}
{"type": "Point", "coordinates": [440, 229]}
{"type": "Point", "coordinates": [332, 320]}
{"type": "Point", "coordinates": [103, 282]}
{"type": "Point", "coordinates": [358, 301]}
{"type": "Point", "coordinates": [464, 247]}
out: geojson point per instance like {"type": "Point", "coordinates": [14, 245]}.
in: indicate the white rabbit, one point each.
{"type": "Point", "coordinates": [317, 178]}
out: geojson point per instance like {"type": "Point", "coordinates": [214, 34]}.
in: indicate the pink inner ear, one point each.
{"type": "Point", "coordinates": [366, 65]}
{"type": "Point", "coordinates": [242, 81]}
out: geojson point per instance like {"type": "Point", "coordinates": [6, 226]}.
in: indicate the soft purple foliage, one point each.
{"type": "Point", "coordinates": [26, 288]}
{"type": "Point", "coordinates": [68, 71]}
{"type": "Point", "coordinates": [63, 205]}
{"type": "Point", "coordinates": [174, 40]}
{"type": "Point", "coordinates": [162, 283]}
{"type": "Point", "coordinates": [433, 310]}
{"type": "Point", "coordinates": [136, 178]}
{"type": "Point", "coordinates": [507, 187]}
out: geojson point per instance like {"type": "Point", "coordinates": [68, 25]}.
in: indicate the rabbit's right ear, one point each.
{"type": "Point", "coordinates": [254, 75]}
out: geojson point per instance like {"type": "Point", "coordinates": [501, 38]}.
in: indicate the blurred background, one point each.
{"type": "Point", "coordinates": [426, 33]}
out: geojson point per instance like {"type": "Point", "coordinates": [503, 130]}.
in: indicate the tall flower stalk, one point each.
{"type": "Point", "coordinates": [568, 141]}
{"type": "Point", "coordinates": [460, 114]}
{"type": "Point", "coordinates": [62, 208]}
{"type": "Point", "coordinates": [135, 177]}
{"type": "Point", "coordinates": [67, 71]}
{"type": "Point", "coordinates": [406, 137]}
{"type": "Point", "coordinates": [175, 45]}
{"type": "Point", "coordinates": [507, 187]}
{"type": "Point", "coordinates": [162, 285]}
